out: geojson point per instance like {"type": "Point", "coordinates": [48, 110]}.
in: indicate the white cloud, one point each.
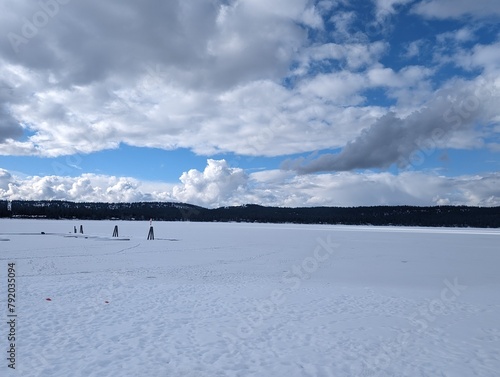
{"type": "Point", "coordinates": [312, 18]}
{"type": "Point", "coordinates": [148, 86]}
{"type": "Point", "coordinates": [450, 119]}
{"type": "Point", "coordinates": [342, 22]}
{"type": "Point", "coordinates": [465, 34]}
{"type": "Point", "coordinates": [457, 8]}
{"type": "Point", "coordinates": [222, 185]}
{"type": "Point", "coordinates": [87, 187]}
{"type": "Point", "coordinates": [340, 88]}
{"type": "Point", "coordinates": [5, 179]}
{"type": "Point", "coordinates": [385, 10]}
{"type": "Point", "coordinates": [352, 56]}
{"type": "Point", "coordinates": [486, 57]}
{"type": "Point", "coordinates": [389, 6]}
{"type": "Point", "coordinates": [217, 185]}
{"type": "Point", "coordinates": [357, 189]}
{"type": "Point", "coordinates": [413, 48]}
{"type": "Point", "coordinates": [258, 118]}
{"type": "Point", "coordinates": [209, 76]}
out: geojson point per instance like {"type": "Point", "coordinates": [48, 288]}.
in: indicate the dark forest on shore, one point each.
{"type": "Point", "coordinates": [437, 216]}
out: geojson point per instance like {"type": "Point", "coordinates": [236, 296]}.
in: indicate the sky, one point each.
{"type": "Point", "coordinates": [227, 102]}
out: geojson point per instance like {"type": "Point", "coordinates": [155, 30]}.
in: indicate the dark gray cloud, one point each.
{"type": "Point", "coordinates": [404, 141]}
{"type": "Point", "coordinates": [9, 126]}
{"type": "Point", "coordinates": [83, 42]}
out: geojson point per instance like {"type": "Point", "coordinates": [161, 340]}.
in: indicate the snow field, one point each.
{"type": "Point", "coordinates": [212, 299]}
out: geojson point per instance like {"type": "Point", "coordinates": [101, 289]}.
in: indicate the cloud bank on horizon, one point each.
{"type": "Point", "coordinates": [359, 99]}
{"type": "Point", "coordinates": [220, 185]}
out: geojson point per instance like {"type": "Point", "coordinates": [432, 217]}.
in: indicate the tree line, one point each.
{"type": "Point", "coordinates": [448, 216]}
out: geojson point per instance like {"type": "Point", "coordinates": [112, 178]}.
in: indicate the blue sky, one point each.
{"type": "Point", "coordinates": [287, 103]}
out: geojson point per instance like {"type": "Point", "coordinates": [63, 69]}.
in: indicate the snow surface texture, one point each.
{"type": "Point", "coordinates": [215, 299]}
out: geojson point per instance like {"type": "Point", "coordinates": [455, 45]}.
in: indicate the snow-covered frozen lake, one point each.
{"type": "Point", "coordinates": [229, 299]}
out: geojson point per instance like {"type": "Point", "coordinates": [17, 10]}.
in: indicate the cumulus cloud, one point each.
{"type": "Point", "coordinates": [204, 75]}
{"type": "Point", "coordinates": [358, 189]}
{"type": "Point", "coordinates": [251, 77]}
{"type": "Point", "coordinates": [217, 185]}
{"type": "Point", "coordinates": [87, 187]}
{"type": "Point", "coordinates": [392, 139]}
{"type": "Point", "coordinates": [92, 75]}
{"type": "Point", "coordinates": [222, 185]}
{"type": "Point", "coordinates": [5, 179]}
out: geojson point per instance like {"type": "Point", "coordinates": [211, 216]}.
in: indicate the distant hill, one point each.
{"type": "Point", "coordinates": [450, 216]}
